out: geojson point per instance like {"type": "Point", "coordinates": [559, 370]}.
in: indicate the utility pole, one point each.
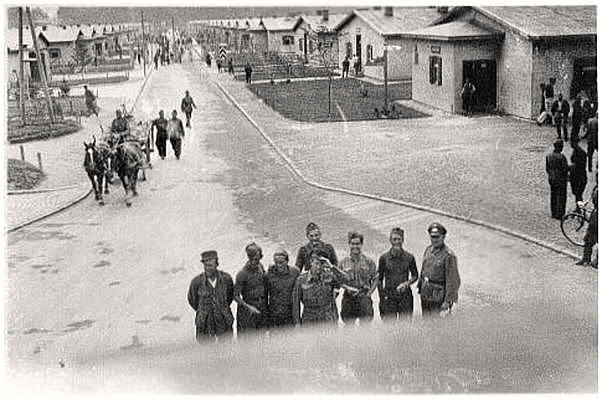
{"type": "Point", "coordinates": [143, 42]}
{"type": "Point", "coordinates": [40, 65]}
{"type": "Point", "coordinates": [173, 33]}
{"type": "Point", "coordinates": [386, 73]}
{"type": "Point", "coordinates": [21, 80]}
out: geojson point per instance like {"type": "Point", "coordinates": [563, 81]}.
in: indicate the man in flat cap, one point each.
{"type": "Point", "coordinates": [280, 281]}
{"type": "Point", "coordinates": [439, 279]}
{"type": "Point", "coordinates": [250, 292]}
{"type": "Point", "coordinates": [210, 294]}
{"type": "Point", "coordinates": [397, 271]}
{"type": "Point", "coordinates": [314, 235]}
{"type": "Point", "coordinates": [361, 271]}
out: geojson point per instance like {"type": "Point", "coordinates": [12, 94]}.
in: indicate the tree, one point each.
{"type": "Point", "coordinates": [81, 57]}
{"type": "Point", "coordinates": [323, 52]}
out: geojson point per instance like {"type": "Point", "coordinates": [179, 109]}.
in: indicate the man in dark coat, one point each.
{"type": "Point", "coordinates": [210, 295]}
{"type": "Point", "coordinates": [248, 72]}
{"type": "Point", "coordinates": [439, 277]}
{"type": "Point", "coordinates": [280, 281]}
{"type": "Point", "coordinates": [187, 106]}
{"type": "Point", "coordinates": [591, 129]}
{"type": "Point", "coordinates": [250, 292]}
{"type": "Point", "coordinates": [576, 119]}
{"type": "Point", "coordinates": [314, 235]}
{"type": "Point", "coordinates": [557, 170]}
{"type": "Point", "coordinates": [577, 171]}
{"type": "Point", "coordinates": [560, 110]}
{"type": "Point", "coordinates": [160, 125]}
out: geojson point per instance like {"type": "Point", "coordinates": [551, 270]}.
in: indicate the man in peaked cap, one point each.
{"type": "Point", "coordinates": [314, 235]}
{"type": "Point", "coordinates": [280, 281]}
{"type": "Point", "coordinates": [439, 278]}
{"type": "Point", "coordinates": [250, 292]}
{"type": "Point", "coordinates": [210, 295]}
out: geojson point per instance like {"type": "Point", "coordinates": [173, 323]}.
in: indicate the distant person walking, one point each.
{"type": "Point", "coordinates": [356, 64]}
{"type": "Point", "coordinates": [248, 72]}
{"type": "Point", "coordinates": [577, 171]}
{"type": "Point", "coordinates": [576, 119]}
{"type": "Point", "coordinates": [156, 59]}
{"type": "Point", "coordinates": [346, 67]}
{"type": "Point", "coordinates": [219, 65]}
{"type": "Point", "coordinates": [187, 106]}
{"type": "Point", "coordinates": [468, 97]}
{"type": "Point", "coordinates": [160, 125]}
{"type": "Point", "coordinates": [90, 100]}
{"type": "Point", "coordinates": [548, 92]}
{"type": "Point", "coordinates": [230, 67]}
{"type": "Point", "coordinates": [560, 110]}
{"type": "Point", "coordinates": [557, 170]}
{"type": "Point", "coordinates": [175, 130]}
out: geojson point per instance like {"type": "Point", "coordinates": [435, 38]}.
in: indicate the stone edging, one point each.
{"type": "Point", "coordinates": [299, 174]}
{"type": "Point", "coordinates": [80, 198]}
{"type": "Point", "coordinates": [35, 191]}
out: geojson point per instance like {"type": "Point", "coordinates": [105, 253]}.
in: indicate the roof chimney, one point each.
{"type": "Point", "coordinates": [388, 11]}
{"type": "Point", "coordinates": [325, 15]}
{"type": "Point", "coordinates": [44, 27]}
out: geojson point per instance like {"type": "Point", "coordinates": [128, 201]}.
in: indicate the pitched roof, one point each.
{"type": "Point", "coordinates": [281, 23]}
{"type": "Point", "coordinates": [316, 21]}
{"type": "Point", "coordinates": [58, 34]}
{"type": "Point", "coordinates": [453, 31]}
{"type": "Point", "coordinates": [543, 21]}
{"type": "Point", "coordinates": [404, 19]}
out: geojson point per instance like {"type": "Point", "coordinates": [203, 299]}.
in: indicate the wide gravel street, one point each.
{"type": "Point", "coordinates": [102, 290]}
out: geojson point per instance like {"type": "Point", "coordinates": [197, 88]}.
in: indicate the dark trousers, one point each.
{"type": "Point", "coordinates": [248, 77]}
{"type": "Point", "coordinates": [575, 128]}
{"type": "Point", "coordinates": [590, 155]}
{"type": "Point", "coordinates": [176, 144]}
{"type": "Point", "coordinates": [561, 122]}
{"type": "Point", "coordinates": [578, 187]}
{"type": "Point", "coordinates": [558, 199]}
{"type": "Point", "coordinates": [353, 307]}
{"type": "Point", "coordinates": [430, 308]}
{"type": "Point", "coordinates": [397, 305]}
{"type": "Point", "coordinates": [188, 117]}
{"type": "Point", "coordinates": [161, 143]}
{"type": "Point", "coordinates": [202, 336]}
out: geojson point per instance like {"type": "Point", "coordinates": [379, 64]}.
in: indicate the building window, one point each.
{"type": "Point", "coordinates": [54, 53]}
{"type": "Point", "coordinates": [32, 55]}
{"type": "Point", "coordinates": [435, 71]}
{"type": "Point", "coordinates": [416, 54]}
{"type": "Point", "coordinates": [369, 53]}
{"type": "Point", "coordinates": [288, 40]}
{"type": "Point", "coordinates": [300, 44]}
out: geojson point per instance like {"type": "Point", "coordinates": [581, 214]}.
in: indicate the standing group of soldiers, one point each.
{"type": "Point", "coordinates": [306, 293]}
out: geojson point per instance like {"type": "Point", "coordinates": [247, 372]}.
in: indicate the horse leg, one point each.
{"type": "Point", "coordinates": [106, 179]}
{"type": "Point", "coordinates": [93, 181]}
{"type": "Point", "coordinates": [133, 181]}
{"type": "Point", "coordinates": [125, 187]}
{"type": "Point", "coordinates": [100, 184]}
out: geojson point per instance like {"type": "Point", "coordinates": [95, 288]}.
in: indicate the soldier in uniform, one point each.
{"type": "Point", "coordinates": [314, 235]}
{"type": "Point", "coordinates": [361, 270]}
{"type": "Point", "coordinates": [314, 289]}
{"type": "Point", "coordinates": [187, 106]}
{"type": "Point", "coordinates": [160, 124]}
{"type": "Point", "coordinates": [439, 278]}
{"type": "Point", "coordinates": [210, 295]}
{"type": "Point", "coordinates": [557, 168]}
{"type": "Point", "coordinates": [250, 292]}
{"type": "Point", "coordinates": [280, 281]}
{"type": "Point", "coordinates": [397, 271]}
{"type": "Point", "coordinates": [120, 124]}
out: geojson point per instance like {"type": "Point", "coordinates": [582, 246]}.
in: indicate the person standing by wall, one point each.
{"type": "Point", "coordinates": [560, 110]}
{"type": "Point", "coordinates": [548, 93]}
{"type": "Point", "coordinates": [557, 170]}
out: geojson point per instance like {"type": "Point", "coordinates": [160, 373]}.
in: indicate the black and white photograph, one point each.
{"type": "Point", "coordinates": [300, 199]}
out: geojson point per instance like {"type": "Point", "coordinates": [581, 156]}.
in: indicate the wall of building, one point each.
{"type": "Point", "coordinates": [556, 59]}
{"type": "Point", "coordinates": [466, 51]}
{"type": "Point", "coordinates": [259, 41]}
{"type": "Point", "coordinates": [275, 43]}
{"type": "Point", "coordinates": [369, 37]}
{"type": "Point", "coordinates": [441, 97]}
{"type": "Point", "coordinates": [400, 59]}
{"type": "Point", "coordinates": [67, 53]}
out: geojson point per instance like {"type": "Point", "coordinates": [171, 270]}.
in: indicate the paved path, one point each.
{"type": "Point", "coordinates": [102, 290]}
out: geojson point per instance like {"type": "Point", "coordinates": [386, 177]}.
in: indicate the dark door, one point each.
{"type": "Point", "coordinates": [482, 74]}
{"type": "Point", "coordinates": [585, 77]}
{"type": "Point", "coordinates": [305, 46]}
{"type": "Point", "coordinates": [358, 48]}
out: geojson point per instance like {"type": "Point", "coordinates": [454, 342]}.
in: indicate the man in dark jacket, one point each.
{"type": "Point", "coordinates": [591, 129]}
{"type": "Point", "coordinates": [577, 118]}
{"type": "Point", "coordinates": [314, 235]}
{"type": "Point", "coordinates": [250, 292]}
{"type": "Point", "coordinates": [439, 277]}
{"type": "Point", "coordinates": [248, 72]}
{"type": "Point", "coordinates": [210, 295]}
{"type": "Point", "coordinates": [187, 106]}
{"type": "Point", "coordinates": [560, 110]}
{"type": "Point", "coordinates": [280, 281]}
{"type": "Point", "coordinates": [160, 125]}
{"type": "Point", "coordinates": [557, 170]}
{"type": "Point", "coordinates": [577, 171]}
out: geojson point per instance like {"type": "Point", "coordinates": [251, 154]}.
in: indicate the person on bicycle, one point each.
{"type": "Point", "coordinates": [591, 235]}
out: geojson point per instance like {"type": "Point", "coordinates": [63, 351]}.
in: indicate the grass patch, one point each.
{"type": "Point", "coordinates": [20, 134]}
{"type": "Point", "coordinates": [308, 100]}
{"type": "Point", "coordinates": [22, 175]}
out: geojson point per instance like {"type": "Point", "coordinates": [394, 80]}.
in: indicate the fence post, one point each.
{"type": "Point", "coordinates": [40, 161]}
{"type": "Point", "coordinates": [22, 150]}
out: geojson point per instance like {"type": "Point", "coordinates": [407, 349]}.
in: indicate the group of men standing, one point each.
{"type": "Point", "coordinates": [306, 293]}
{"type": "Point", "coordinates": [172, 129]}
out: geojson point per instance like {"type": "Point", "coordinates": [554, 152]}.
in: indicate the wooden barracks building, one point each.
{"type": "Point", "coordinates": [507, 52]}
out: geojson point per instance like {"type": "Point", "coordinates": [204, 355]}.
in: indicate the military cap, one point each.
{"type": "Point", "coordinates": [252, 250]}
{"type": "Point", "coordinates": [208, 255]}
{"type": "Point", "coordinates": [436, 227]}
{"type": "Point", "coordinates": [281, 252]}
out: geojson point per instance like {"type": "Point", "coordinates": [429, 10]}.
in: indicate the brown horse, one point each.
{"type": "Point", "coordinates": [97, 165]}
{"type": "Point", "coordinates": [127, 161]}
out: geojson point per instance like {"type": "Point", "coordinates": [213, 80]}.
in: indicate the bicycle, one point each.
{"type": "Point", "coordinates": [574, 223]}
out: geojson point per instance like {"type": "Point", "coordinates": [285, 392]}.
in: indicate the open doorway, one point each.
{"type": "Point", "coordinates": [482, 74]}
